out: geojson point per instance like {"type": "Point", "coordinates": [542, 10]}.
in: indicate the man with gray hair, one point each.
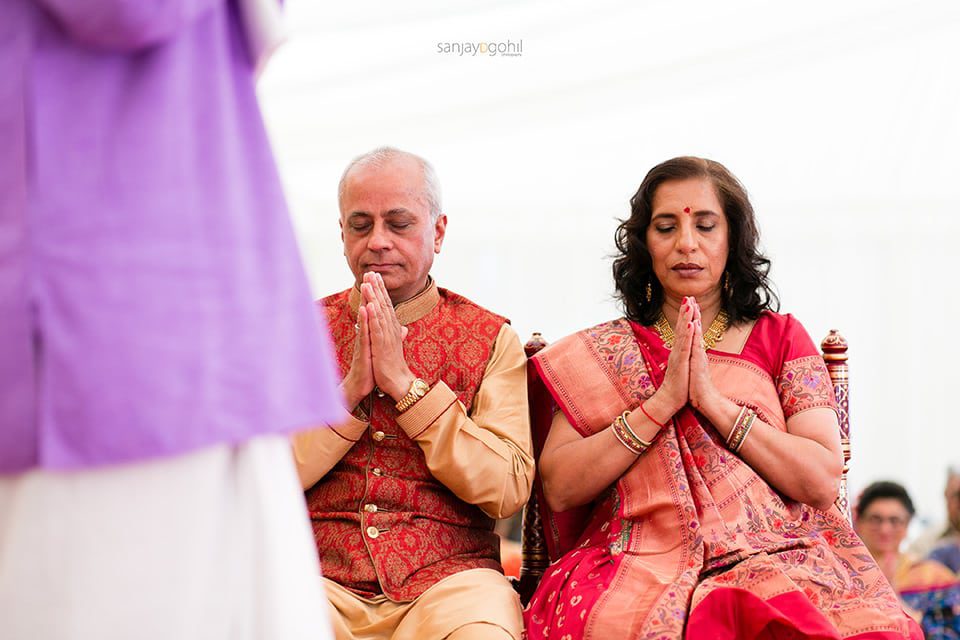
{"type": "Point", "coordinates": [403, 495]}
{"type": "Point", "coordinates": [947, 548]}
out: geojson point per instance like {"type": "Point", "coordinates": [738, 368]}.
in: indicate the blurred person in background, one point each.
{"type": "Point", "coordinates": [943, 543]}
{"type": "Point", "coordinates": [157, 334]}
{"type": "Point", "coordinates": [929, 589]}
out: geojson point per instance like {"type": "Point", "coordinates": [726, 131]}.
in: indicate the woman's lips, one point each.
{"type": "Point", "coordinates": [687, 271]}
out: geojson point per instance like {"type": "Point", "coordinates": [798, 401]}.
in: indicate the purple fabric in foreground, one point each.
{"type": "Point", "coordinates": [152, 298]}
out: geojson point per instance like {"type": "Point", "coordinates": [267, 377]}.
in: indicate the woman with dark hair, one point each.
{"type": "Point", "coordinates": [691, 470]}
{"type": "Point", "coordinates": [929, 589]}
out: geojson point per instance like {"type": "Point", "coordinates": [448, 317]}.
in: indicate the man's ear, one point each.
{"type": "Point", "coordinates": [439, 231]}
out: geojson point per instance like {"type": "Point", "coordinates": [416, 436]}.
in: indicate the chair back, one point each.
{"type": "Point", "coordinates": [834, 348]}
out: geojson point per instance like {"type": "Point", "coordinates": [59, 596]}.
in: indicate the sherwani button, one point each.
{"type": "Point", "coordinates": [370, 508]}
{"type": "Point", "coordinates": [379, 436]}
{"type": "Point", "coordinates": [373, 532]}
{"type": "Point", "coordinates": [377, 471]}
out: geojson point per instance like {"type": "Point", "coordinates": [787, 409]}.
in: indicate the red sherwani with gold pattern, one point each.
{"type": "Point", "coordinates": [382, 522]}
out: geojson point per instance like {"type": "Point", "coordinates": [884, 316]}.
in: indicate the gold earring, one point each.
{"type": "Point", "coordinates": [726, 283]}
{"type": "Point", "coordinates": [649, 292]}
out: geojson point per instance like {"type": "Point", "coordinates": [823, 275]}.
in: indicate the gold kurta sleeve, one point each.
{"type": "Point", "coordinates": [318, 450]}
{"type": "Point", "coordinates": [486, 457]}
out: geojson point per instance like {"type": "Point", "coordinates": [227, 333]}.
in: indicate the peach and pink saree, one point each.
{"type": "Point", "coordinates": [691, 542]}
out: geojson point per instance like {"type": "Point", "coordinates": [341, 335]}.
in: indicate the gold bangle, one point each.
{"type": "Point", "coordinates": [745, 432]}
{"type": "Point", "coordinates": [626, 425]}
{"type": "Point", "coordinates": [736, 423]}
{"type": "Point", "coordinates": [626, 436]}
{"type": "Point", "coordinates": [741, 427]}
{"type": "Point", "coordinates": [735, 441]}
{"type": "Point", "coordinates": [623, 440]}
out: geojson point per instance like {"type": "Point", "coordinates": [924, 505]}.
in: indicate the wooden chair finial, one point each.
{"type": "Point", "coordinates": [534, 344]}
{"type": "Point", "coordinates": [834, 348]}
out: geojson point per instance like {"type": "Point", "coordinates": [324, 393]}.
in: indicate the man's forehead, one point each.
{"type": "Point", "coordinates": [383, 184]}
{"type": "Point", "coordinates": [382, 193]}
{"type": "Point", "coordinates": [382, 197]}
{"type": "Point", "coordinates": [377, 188]}
{"type": "Point", "coordinates": [400, 169]}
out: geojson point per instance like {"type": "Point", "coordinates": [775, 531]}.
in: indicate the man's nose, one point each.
{"type": "Point", "coordinates": [379, 238]}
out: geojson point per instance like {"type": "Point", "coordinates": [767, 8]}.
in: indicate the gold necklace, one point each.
{"type": "Point", "coordinates": [713, 335]}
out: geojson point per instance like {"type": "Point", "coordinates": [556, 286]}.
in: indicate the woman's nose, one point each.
{"type": "Point", "coordinates": [686, 239]}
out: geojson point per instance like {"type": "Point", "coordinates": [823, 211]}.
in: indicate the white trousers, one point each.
{"type": "Point", "coordinates": [211, 545]}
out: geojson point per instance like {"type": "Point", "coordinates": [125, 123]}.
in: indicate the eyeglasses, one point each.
{"type": "Point", "coordinates": [876, 521]}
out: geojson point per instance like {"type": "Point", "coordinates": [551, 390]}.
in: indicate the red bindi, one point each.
{"type": "Point", "coordinates": [686, 209]}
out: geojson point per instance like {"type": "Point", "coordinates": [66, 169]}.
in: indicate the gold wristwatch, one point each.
{"type": "Point", "coordinates": [418, 389]}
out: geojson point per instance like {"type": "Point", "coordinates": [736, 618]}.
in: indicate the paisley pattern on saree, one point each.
{"type": "Point", "coordinates": [805, 384]}
{"type": "Point", "coordinates": [616, 348]}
